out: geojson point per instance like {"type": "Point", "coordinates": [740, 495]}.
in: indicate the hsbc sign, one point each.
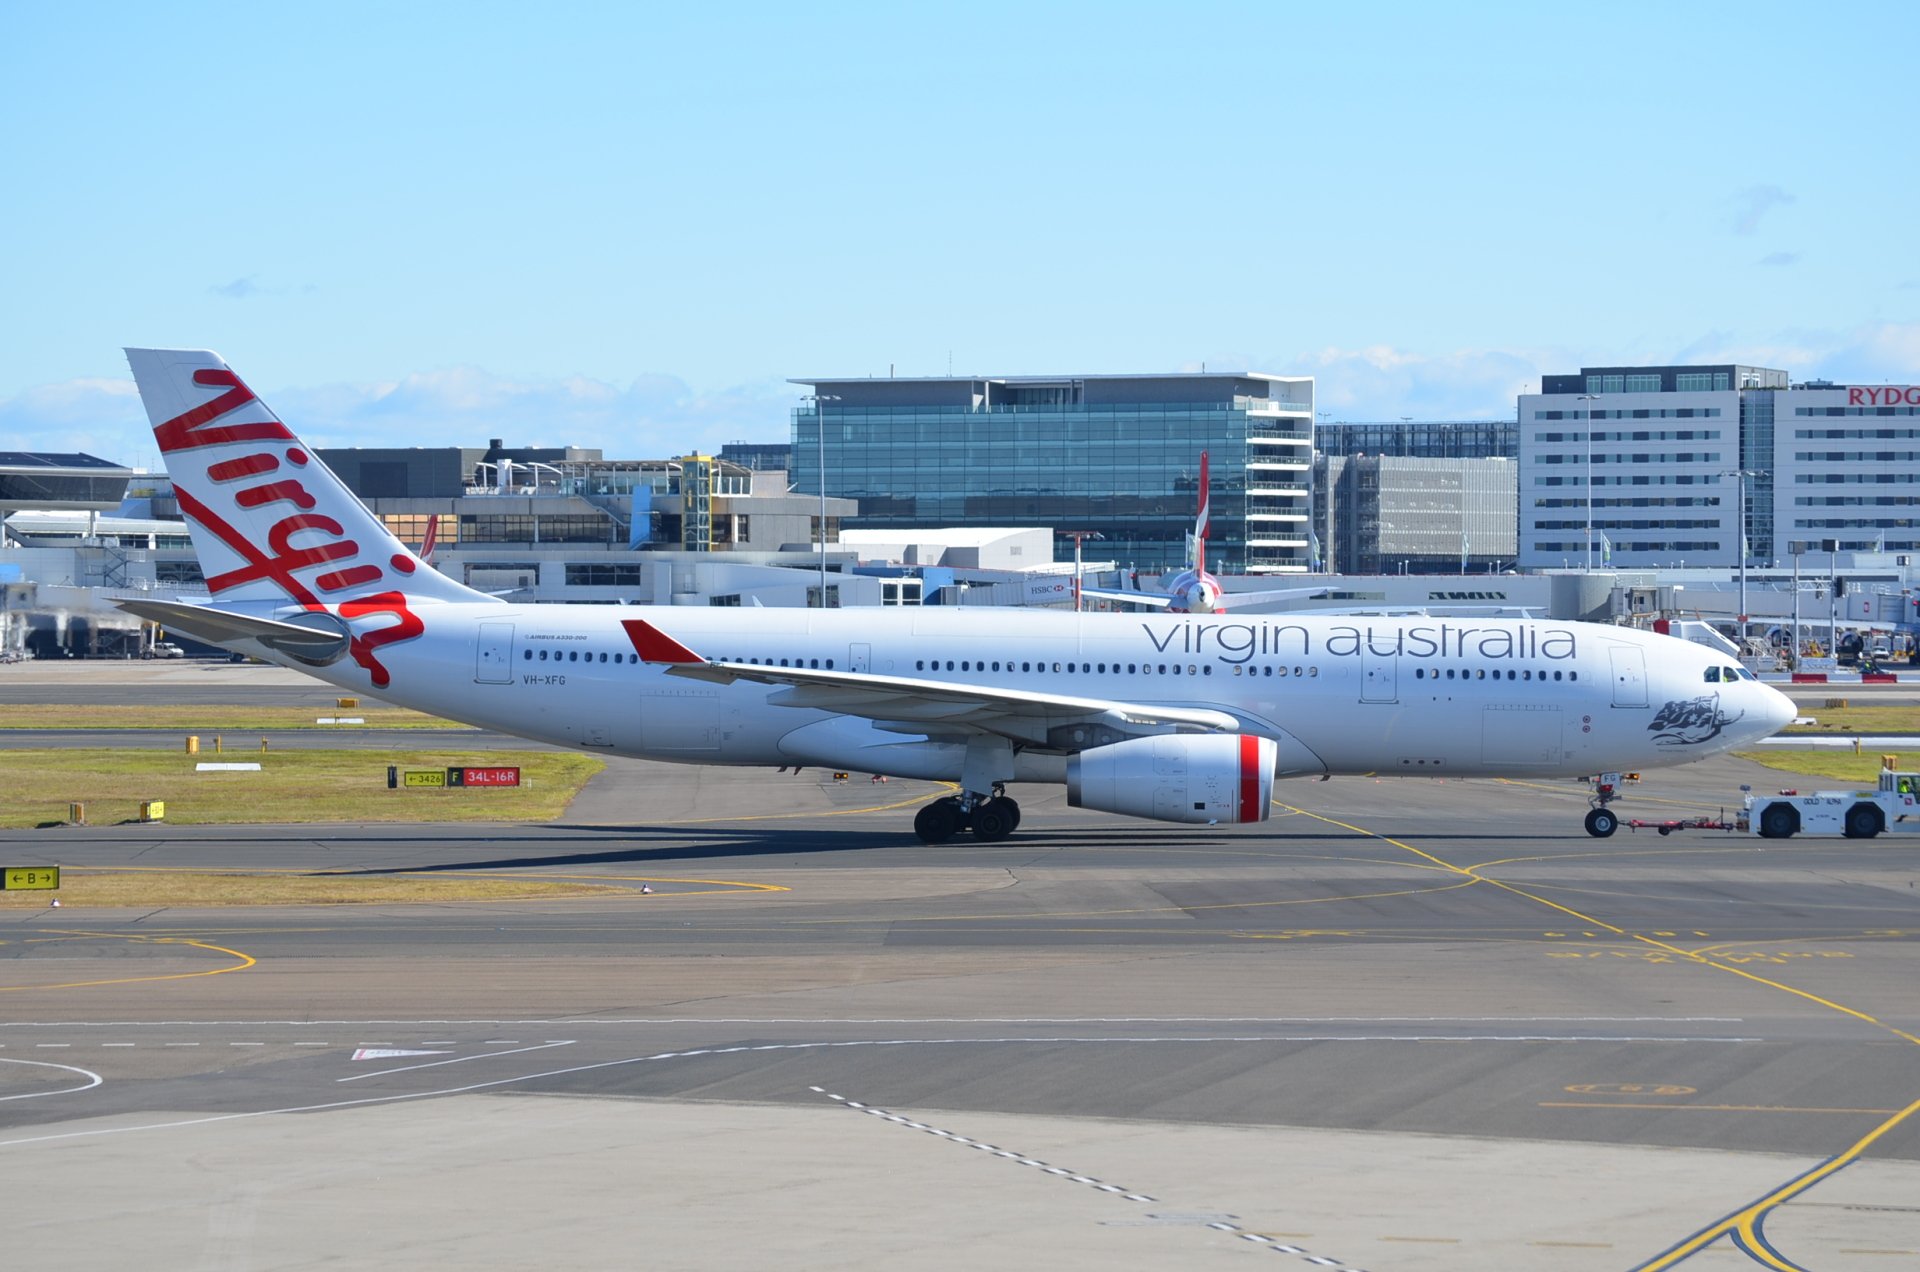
{"type": "Point", "coordinates": [1887, 395]}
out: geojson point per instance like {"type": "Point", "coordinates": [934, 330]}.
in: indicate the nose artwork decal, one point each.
{"type": "Point", "coordinates": [1691, 721]}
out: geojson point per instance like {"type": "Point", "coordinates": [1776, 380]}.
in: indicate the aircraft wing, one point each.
{"type": "Point", "coordinates": [1229, 600]}
{"type": "Point", "coordinates": [1239, 601]}
{"type": "Point", "coordinates": [937, 706]}
{"type": "Point", "coordinates": [1156, 600]}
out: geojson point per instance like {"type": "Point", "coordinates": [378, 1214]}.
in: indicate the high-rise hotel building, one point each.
{"type": "Point", "coordinates": [1654, 458]}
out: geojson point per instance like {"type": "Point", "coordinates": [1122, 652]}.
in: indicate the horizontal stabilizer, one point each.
{"type": "Point", "coordinates": [317, 638]}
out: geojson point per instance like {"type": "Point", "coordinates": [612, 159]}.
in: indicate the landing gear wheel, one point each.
{"type": "Point", "coordinates": [1602, 822]}
{"type": "Point", "coordinates": [995, 819]}
{"type": "Point", "coordinates": [937, 822]}
{"type": "Point", "coordinates": [1779, 822]}
{"type": "Point", "coordinates": [1863, 821]}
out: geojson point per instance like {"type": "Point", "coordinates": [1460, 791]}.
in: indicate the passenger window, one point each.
{"type": "Point", "coordinates": [919, 664]}
{"type": "Point", "coordinates": [1573, 675]}
{"type": "Point", "coordinates": [543, 655]}
{"type": "Point", "coordinates": [1556, 675]}
{"type": "Point", "coordinates": [527, 654]}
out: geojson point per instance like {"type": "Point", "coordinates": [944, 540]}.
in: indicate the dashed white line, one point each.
{"type": "Point", "coordinates": [1060, 1172]}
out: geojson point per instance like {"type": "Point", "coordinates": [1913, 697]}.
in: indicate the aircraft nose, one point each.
{"type": "Point", "coordinates": [1779, 710]}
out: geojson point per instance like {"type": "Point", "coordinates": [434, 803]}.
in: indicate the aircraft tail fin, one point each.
{"type": "Point", "coordinates": [271, 524]}
{"type": "Point", "coordinates": [1200, 522]}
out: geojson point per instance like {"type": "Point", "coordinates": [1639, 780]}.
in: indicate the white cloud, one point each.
{"type": "Point", "coordinates": [1753, 203]}
{"type": "Point", "coordinates": [1383, 383]}
{"type": "Point", "coordinates": [1870, 353]}
{"type": "Point", "coordinates": [1779, 258]}
{"type": "Point", "coordinates": [652, 417]}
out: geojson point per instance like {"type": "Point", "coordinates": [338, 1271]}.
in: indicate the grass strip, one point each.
{"type": "Point", "coordinates": [206, 720]}
{"type": "Point", "coordinates": [1892, 720]}
{"type": "Point", "coordinates": [1844, 768]}
{"type": "Point", "coordinates": [292, 786]}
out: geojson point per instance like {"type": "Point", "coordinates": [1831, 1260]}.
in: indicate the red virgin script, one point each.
{"type": "Point", "coordinates": [326, 541]}
{"type": "Point", "coordinates": [1891, 395]}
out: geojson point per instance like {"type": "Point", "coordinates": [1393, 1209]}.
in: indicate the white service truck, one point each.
{"type": "Point", "coordinates": [1894, 807]}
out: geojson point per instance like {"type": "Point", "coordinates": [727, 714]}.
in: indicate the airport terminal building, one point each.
{"type": "Point", "coordinates": [1117, 455]}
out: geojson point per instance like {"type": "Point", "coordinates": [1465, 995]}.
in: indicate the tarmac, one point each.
{"type": "Point", "coordinates": [1406, 1024]}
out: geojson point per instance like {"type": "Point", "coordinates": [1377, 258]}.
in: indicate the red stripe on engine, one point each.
{"type": "Point", "coordinates": [245, 466]}
{"type": "Point", "coordinates": [1249, 778]}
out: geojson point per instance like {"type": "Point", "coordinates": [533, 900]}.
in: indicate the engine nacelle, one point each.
{"type": "Point", "coordinates": [1178, 777]}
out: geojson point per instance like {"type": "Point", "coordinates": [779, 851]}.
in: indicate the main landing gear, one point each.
{"type": "Point", "coordinates": [991, 818]}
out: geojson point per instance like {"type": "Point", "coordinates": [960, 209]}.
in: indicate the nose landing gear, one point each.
{"type": "Point", "coordinates": [990, 818]}
{"type": "Point", "coordinates": [1601, 820]}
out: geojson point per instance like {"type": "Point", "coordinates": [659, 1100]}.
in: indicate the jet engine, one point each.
{"type": "Point", "coordinates": [1179, 777]}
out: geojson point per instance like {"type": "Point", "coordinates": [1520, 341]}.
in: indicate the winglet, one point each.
{"type": "Point", "coordinates": [654, 645]}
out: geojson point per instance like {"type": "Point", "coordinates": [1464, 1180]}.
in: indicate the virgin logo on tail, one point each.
{"type": "Point", "coordinates": [271, 524]}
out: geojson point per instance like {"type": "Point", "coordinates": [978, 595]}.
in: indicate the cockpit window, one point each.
{"type": "Point", "coordinates": [1713, 675]}
{"type": "Point", "coordinates": [1732, 673]}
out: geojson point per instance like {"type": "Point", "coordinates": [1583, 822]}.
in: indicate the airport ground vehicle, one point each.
{"type": "Point", "coordinates": [1893, 806]}
{"type": "Point", "coordinates": [166, 649]}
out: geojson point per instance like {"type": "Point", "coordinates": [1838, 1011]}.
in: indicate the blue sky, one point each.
{"type": "Point", "coordinates": [626, 225]}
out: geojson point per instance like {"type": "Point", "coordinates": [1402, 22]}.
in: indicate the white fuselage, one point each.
{"type": "Point", "coordinates": [1419, 696]}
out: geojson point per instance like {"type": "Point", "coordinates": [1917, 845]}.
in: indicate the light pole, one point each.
{"type": "Point", "coordinates": [1793, 662]}
{"type": "Point", "coordinates": [1586, 562]}
{"type": "Point", "coordinates": [1077, 536]}
{"type": "Point", "coordinates": [1741, 474]}
{"type": "Point", "coordinates": [819, 401]}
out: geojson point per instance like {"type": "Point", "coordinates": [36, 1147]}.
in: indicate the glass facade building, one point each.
{"type": "Point", "coordinates": [1116, 455]}
{"type": "Point", "coordinates": [1420, 439]}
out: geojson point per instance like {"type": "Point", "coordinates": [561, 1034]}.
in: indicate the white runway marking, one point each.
{"type": "Point", "coordinates": [434, 1064]}
{"type": "Point", "coordinates": [693, 1053]}
{"type": "Point", "coordinates": [574, 1022]}
{"type": "Point", "coordinates": [1061, 1172]}
{"type": "Point", "coordinates": [93, 1079]}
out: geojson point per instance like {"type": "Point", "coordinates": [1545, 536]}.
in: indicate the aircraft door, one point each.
{"type": "Point", "coordinates": [1379, 676]}
{"type": "Point", "coordinates": [859, 657]}
{"type": "Point", "coordinates": [493, 654]}
{"type": "Point", "coordinates": [1629, 677]}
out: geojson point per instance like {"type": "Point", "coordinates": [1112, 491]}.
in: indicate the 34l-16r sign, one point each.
{"type": "Point", "coordinates": [483, 777]}
{"type": "Point", "coordinates": [1884, 395]}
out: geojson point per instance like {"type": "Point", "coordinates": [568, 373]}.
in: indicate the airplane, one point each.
{"type": "Point", "coordinates": [1186, 718]}
{"type": "Point", "coordinates": [1193, 590]}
